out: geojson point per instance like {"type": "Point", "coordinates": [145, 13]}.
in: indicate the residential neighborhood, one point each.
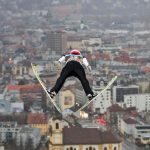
{"type": "Point", "coordinates": [114, 36]}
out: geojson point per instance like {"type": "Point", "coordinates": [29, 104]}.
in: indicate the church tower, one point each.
{"type": "Point", "coordinates": [55, 133]}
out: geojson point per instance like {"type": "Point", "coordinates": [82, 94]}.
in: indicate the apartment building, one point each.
{"type": "Point", "coordinates": [103, 101]}
{"type": "Point", "coordinates": [140, 101]}
{"type": "Point", "coordinates": [120, 90]}
{"type": "Point", "coordinates": [57, 41]}
{"type": "Point", "coordinates": [8, 130]}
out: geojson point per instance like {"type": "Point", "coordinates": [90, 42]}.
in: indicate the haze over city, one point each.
{"type": "Point", "coordinates": [113, 35]}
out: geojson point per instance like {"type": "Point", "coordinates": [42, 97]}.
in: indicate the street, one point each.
{"type": "Point", "coordinates": [127, 145]}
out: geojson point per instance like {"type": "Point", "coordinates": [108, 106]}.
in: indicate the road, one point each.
{"type": "Point", "coordinates": [127, 145]}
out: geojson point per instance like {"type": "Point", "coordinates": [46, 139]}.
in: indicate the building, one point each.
{"type": "Point", "coordinates": [1, 147]}
{"type": "Point", "coordinates": [74, 43]}
{"type": "Point", "coordinates": [47, 71]}
{"type": "Point", "coordinates": [80, 96]}
{"type": "Point", "coordinates": [140, 101]}
{"type": "Point", "coordinates": [12, 92]}
{"type": "Point", "coordinates": [21, 68]}
{"type": "Point", "coordinates": [17, 107]}
{"type": "Point", "coordinates": [20, 118]}
{"type": "Point", "coordinates": [66, 99]}
{"type": "Point", "coordinates": [23, 92]}
{"type": "Point", "coordinates": [36, 108]}
{"type": "Point", "coordinates": [28, 137]}
{"type": "Point", "coordinates": [113, 112]}
{"type": "Point", "coordinates": [141, 130]}
{"type": "Point", "coordinates": [119, 92]}
{"type": "Point", "coordinates": [8, 131]}
{"type": "Point", "coordinates": [5, 107]}
{"type": "Point", "coordinates": [38, 121]}
{"type": "Point", "coordinates": [128, 126]}
{"type": "Point", "coordinates": [102, 101]}
{"type": "Point", "coordinates": [142, 134]}
{"type": "Point", "coordinates": [92, 43]}
{"type": "Point", "coordinates": [57, 41]}
{"type": "Point", "coordinates": [78, 138]}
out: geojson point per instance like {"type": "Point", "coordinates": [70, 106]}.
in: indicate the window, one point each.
{"type": "Point", "coordinates": [115, 148]}
{"type": "Point", "coordinates": [90, 148]}
{"type": "Point", "coordinates": [105, 148]}
{"type": "Point", "coordinates": [23, 70]}
{"type": "Point", "coordinates": [57, 125]}
{"type": "Point", "coordinates": [18, 72]}
{"type": "Point", "coordinates": [57, 138]}
{"type": "Point", "coordinates": [71, 148]}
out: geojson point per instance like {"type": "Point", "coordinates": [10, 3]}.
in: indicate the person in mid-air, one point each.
{"type": "Point", "coordinates": [73, 67]}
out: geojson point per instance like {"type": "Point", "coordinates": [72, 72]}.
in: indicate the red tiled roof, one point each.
{"type": "Point", "coordinates": [37, 119]}
{"type": "Point", "coordinates": [24, 87]}
{"type": "Point", "coordinates": [130, 121]}
{"type": "Point", "coordinates": [77, 135]}
{"type": "Point", "coordinates": [130, 109]}
{"type": "Point", "coordinates": [115, 108]}
{"type": "Point", "coordinates": [34, 87]}
{"type": "Point", "coordinates": [13, 87]}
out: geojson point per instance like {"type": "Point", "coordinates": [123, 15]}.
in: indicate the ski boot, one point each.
{"type": "Point", "coordinates": [52, 94]}
{"type": "Point", "coordinates": [90, 96]}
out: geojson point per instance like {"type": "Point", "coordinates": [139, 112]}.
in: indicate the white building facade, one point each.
{"type": "Point", "coordinates": [127, 126]}
{"type": "Point", "coordinates": [142, 130]}
{"type": "Point", "coordinates": [140, 101]}
{"type": "Point", "coordinates": [103, 101]}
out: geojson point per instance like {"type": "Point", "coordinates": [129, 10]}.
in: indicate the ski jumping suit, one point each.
{"type": "Point", "coordinates": [73, 67]}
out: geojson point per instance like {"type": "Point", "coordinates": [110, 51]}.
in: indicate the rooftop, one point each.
{"type": "Point", "coordinates": [115, 108]}
{"type": "Point", "coordinates": [130, 121]}
{"type": "Point", "coordinates": [37, 119]}
{"type": "Point", "coordinates": [34, 87]}
{"type": "Point", "coordinates": [77, 135]}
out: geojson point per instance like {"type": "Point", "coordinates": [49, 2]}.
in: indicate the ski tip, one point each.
{"type": "Point", "coordinates": [116, 77]}
{"type": "Point", "coordinates": [32, 64]}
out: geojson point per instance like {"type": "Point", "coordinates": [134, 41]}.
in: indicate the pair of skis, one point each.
{"type": "Point", "coordinates": [35, 71]}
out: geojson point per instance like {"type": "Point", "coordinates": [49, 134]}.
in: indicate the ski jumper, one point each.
{"type": "Point", "coordinates": [73, 67]}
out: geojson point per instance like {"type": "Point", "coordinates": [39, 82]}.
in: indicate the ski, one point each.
{"type": "Point", "coordinates": [35, 71]}
{"type": "Point", "coordinates": [88, 102]}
